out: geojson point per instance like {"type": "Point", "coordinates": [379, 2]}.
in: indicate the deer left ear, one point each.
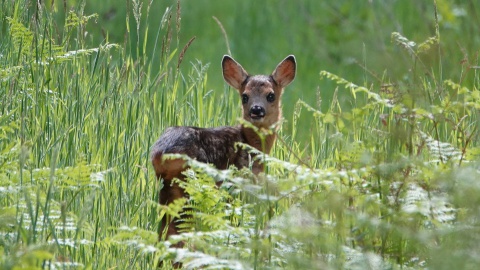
{"type": "Point", "coordinates": [285, 72]}
{"type": "Point", "coordinates": [233, 72]}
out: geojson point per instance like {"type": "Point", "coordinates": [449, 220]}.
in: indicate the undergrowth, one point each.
{"type": "Point", "coordinates": [386, 183]}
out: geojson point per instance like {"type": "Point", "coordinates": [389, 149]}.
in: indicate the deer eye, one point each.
{"type": "Point", "coordinates": [244, 98]}
{"type": "Point", "coordinates": [271, 97]}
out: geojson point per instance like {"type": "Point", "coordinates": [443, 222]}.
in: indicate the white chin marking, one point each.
{"type": "Point", "coordinates": [258, 120]}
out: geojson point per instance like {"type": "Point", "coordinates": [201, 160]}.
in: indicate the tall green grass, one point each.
{"type": "Point", "coordinates": [387, 181]}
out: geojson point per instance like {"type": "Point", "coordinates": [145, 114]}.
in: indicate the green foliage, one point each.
{"type": "Point", "coordinates": [383, 176]}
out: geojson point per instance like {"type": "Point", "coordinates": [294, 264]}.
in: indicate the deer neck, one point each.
{"type": "Point", "coordinates": [253, 139]}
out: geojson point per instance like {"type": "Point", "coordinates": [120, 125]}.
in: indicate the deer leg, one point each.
{"type": "Point", "coordinates": [168, 194]}
{"type": "Point", "coordinates": [168, 225]}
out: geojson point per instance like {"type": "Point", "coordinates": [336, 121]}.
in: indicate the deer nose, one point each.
{"type": "Point", "coordinates": [257, 112]}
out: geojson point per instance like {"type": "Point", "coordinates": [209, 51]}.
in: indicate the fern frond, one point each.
{"type": "Point", "coordinates": [22, 37]}
{"type": "Point", "coordinates": [356, 89]}
{"type": "Point", "coordinates": [440, 151]}
{"type": "Point", "coordinates": [73, 20]}
{"type": "Point", "coordinates": [432, 205]}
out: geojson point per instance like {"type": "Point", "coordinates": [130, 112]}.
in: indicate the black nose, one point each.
{"type": "Point", "coordinates": [257, 112]}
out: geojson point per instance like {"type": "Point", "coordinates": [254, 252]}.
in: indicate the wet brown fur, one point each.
{"type": "Point", "coordinates": [217, 145]}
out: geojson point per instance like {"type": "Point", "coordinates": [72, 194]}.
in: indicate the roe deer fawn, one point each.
{"type": "Point", "coordinates": [261, 106]}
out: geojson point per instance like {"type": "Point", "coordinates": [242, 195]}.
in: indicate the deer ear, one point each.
{"type": "Point", "coordinates": [284, 73]}
{"type": "Point", "coordinates": [233, 72]}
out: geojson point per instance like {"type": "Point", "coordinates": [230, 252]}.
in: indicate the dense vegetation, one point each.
{"type": "Point", "coordinates": [376, 166]}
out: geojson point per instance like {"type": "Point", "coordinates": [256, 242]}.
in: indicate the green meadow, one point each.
{"type": "Point", "coordinates": [376, 165]}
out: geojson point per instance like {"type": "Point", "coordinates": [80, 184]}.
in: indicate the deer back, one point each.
{"type": "Point", "coordinates": [209, 145]}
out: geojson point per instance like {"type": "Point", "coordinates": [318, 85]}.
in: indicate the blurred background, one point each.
{"type": "Point", "coordinates": [351, 39]}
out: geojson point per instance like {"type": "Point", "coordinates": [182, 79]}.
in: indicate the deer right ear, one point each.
{"type": "Point", "coordinates": [285, 71]}
{"type": "Point", "coordinates": [233, 72]}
